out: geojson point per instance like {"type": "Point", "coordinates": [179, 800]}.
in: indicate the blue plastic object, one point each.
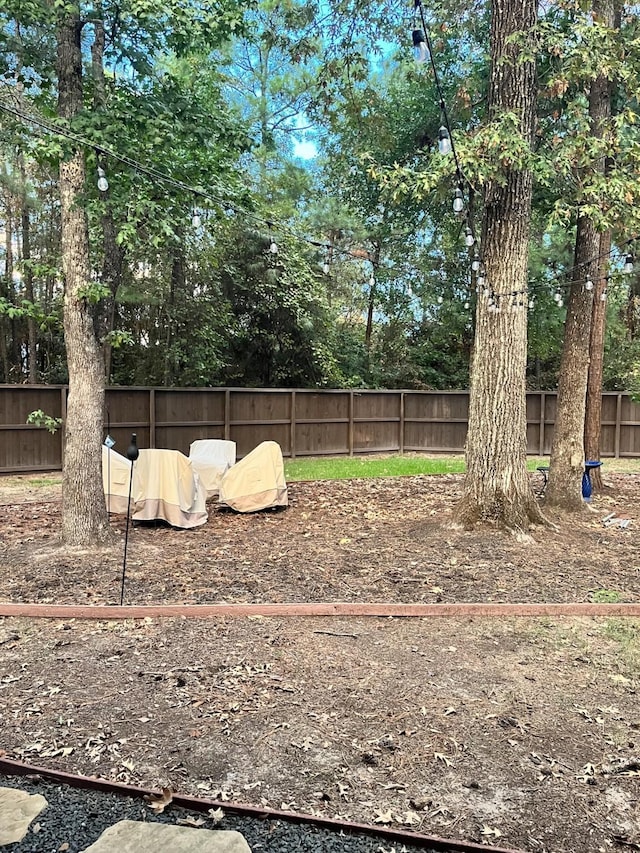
{"type": "Point", "coordinates": [587, 489]}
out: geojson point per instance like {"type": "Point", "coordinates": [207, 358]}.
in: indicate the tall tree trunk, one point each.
{"type": "Point", "coordinates": [32, 337]}
{"type": "Point", "coordinates": [113, 254]}
{"type": "Point", "coordinates": [567, 449]}
{"type": "Point", "coordinates": [5, 328]}
{"type": "Point", "coordinates": [84, 514]}
{"type": "Point", "coordinates": [496, 486]}
{"type": "Point", "coordinates": [593, 412]}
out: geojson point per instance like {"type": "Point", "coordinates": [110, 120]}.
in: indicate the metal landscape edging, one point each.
{"type": "Point", "coordinates": [10, 767]}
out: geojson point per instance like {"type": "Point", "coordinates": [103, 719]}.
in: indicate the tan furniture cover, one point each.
{"type": "Point", "coordinates": [165, 486]}
{"type": "Point", "coordinates": [257, 481]}
{"type": "Point", "coordinates": [116, 470]}
{"type": "Point", "coordinates": [211, 457]}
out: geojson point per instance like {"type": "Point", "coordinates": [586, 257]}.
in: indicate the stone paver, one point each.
{"type": "Point", "coordinates": [17, 810]}
{"type": "Point", "coordinates": [129, 836]}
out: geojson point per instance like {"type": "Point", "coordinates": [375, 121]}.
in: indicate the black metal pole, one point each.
{"type": "Point", "coordinates": [132, 455]}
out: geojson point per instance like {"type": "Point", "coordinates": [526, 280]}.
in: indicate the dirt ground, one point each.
{"type": "Point", "coordinates": [519, 732]}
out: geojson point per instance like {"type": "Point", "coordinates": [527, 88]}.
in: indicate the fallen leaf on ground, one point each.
{"type": "Point", "coordinates": [216, 815]}
{"type": "Point", "coordinates": [189, 820]}
{"type": "Point", "coordinates": [159, 802]}
{"type": "Point", "coordinates": [382, 817]}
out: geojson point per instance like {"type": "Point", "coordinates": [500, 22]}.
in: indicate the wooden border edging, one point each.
{"type": "Point", "coordinates": [18, 768]}
{"type": "Point", "coordinates": [208, 611]}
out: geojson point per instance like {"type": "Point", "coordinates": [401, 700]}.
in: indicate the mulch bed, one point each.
{"type": "Point", "coordinates": [384, 540]}
{"type": "Point", "coordinates": [517, 732]}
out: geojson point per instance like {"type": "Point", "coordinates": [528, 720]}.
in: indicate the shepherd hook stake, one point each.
{"type": "Point", "coordinates": [132, 455]}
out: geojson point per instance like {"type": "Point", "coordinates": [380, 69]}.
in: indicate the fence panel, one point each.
{"type": "Point", "coordinates": [303, 422]}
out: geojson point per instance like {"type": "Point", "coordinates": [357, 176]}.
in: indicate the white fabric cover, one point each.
{"type": "Point", "coordinates": [211, 457]}
{"type": "Point", "coordinates": [257, 481]}
{"type": "Point", "coordinates": [116, 470]}
{"type": "Point", "coordinates": [165, 486]}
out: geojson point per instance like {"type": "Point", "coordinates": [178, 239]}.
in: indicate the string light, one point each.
{"type": "Point", "coordinates": [444, 141]}
{"type": "Point", "coordinates": [103, 183]}
{"type": "Point", "coordinates": [231, 207]}
{"type": "Point", "coordinates": [420, 50]}
{"type": "Point", "coordinates": [475, 263]}
{"type": "Point", "coordinates": [458, 200]}
{"type": "Point", "coordinates": [195, 219]}
{"type": "Point", "coordinates": [588, 285]}
{"type": "Point", "coordinates": [469, 239]}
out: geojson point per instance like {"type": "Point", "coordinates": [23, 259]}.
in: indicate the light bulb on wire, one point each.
{"type": "Point", "coordinates": [444, 141]}
{"type": "Point", "coordinates": [628, 264]}
{"type": "Point", "coordinates": [420, 50]}
{"type": "Point", "coordinates": [458, 200]}
{"type": "Point", "coordinates": [588, 285]}
{"type": "Point", "coordinates": [103, 183]}
{"type": "Point", "coordinates": [325, 268]}
{"type": "Point", "coordinates": [273, 247]}
{"type": "Point", "coordinates": [195, 219]}
{"type": "Point", "coordinates": [475, 263]}
{"type": "Point", "coordinates": [469, 239]}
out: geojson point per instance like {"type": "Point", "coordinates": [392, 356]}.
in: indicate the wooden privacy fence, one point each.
{"type": "Point", "coordinates": [303, 422]}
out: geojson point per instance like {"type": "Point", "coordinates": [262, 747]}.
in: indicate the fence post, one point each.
{"type": "Point", "coordinates": [351, 425]}
{"type": "Point", "coordinates": [543, 415]}
{"type": "Point", "coordinates": [227, 414]}
{"type": "Point", "coordinates": [63, 415]}
{"type": "Point", "coordinates": [152, 417]}
{"type": "Point", "coordinates": [401, 425]}
{"type": "Point", "coordinates": [292, 426]}
{"type": "Point", "coordinates": [616, 448]}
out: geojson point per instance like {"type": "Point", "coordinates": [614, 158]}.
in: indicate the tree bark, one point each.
{"type": "Point", "coordinates": [32, 337]}
{"type": "Point", "coordinates": [593, 413]}
{"type": "Point", "coordinates": [496, 486]}
{"type": "Point", "coordinates": [84, 514]}
{"type": "Point", "coordinates": [567, 449]}
{"type": "Point", "coordinates": [113, 254]}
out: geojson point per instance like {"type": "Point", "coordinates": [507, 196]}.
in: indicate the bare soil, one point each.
{"type": "Point", "coordinates": [519, 732]}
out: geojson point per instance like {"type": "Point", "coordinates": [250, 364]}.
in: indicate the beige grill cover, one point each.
{"type": "Point", "coordinates": [165, 486]}
{"type": "Point", "coordinates": [116, 470]}
{"type": "Point", "coordinates": [211, 457]}
{"type": "Point", "coordinates": [257, 481]}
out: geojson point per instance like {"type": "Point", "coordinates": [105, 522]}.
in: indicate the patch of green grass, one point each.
{"type": "Point", "coordinates": [352, 467]}
{"type": "Point", "coordinates": [605, 596]}
{"type": "Point", "coordinates": [42, 482]}
{"type": "Point", "coordinates": [627, 635]}
{"type": "Point", "coordinates": [360, 467]}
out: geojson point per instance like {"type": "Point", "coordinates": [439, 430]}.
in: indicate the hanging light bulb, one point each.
{"type": "Point", "coordinates": [458, 200]}
{"type": "Point", "coordinates": [444, 141]}
{"type": "Point", "coordinates": [440, 300]}
{"type": "Point", "coordinates": [588, 285]}
{"type": "Point", "coordinates": [480, 281]}
{"type": "Point", "coordinates": [372, 281]}
{"type": "Point", "coordinates": [195, 219]}
{"type": "Point", "coordinates": [420, 50]}
{"type": "Point", "coordinates": [466, 306]}
{"type": "Point", "coordinates": [628, 264]}
{"type": "Point", "coordinates": [325, 268]}
{"type": "Point", "coordinates": [475, 263]}
{"type": "Point", "coordinates": [532, 304]}
{"type": "Point", "coordinates": [469, 239]}
{"type": "Point", "coordinates": [273, 248]}
{"type": "Point", "coordinates": [560, 303]}
{"type": "Point", "coordinates": [557, 296]}
{"type": "Point", "coordinates": [603, 296]}
{"type": "Point", "coordinates": [103, 183]}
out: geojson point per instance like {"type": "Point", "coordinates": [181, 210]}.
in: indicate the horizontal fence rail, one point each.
{"type": "Point", "coordinates": [303, 422]}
